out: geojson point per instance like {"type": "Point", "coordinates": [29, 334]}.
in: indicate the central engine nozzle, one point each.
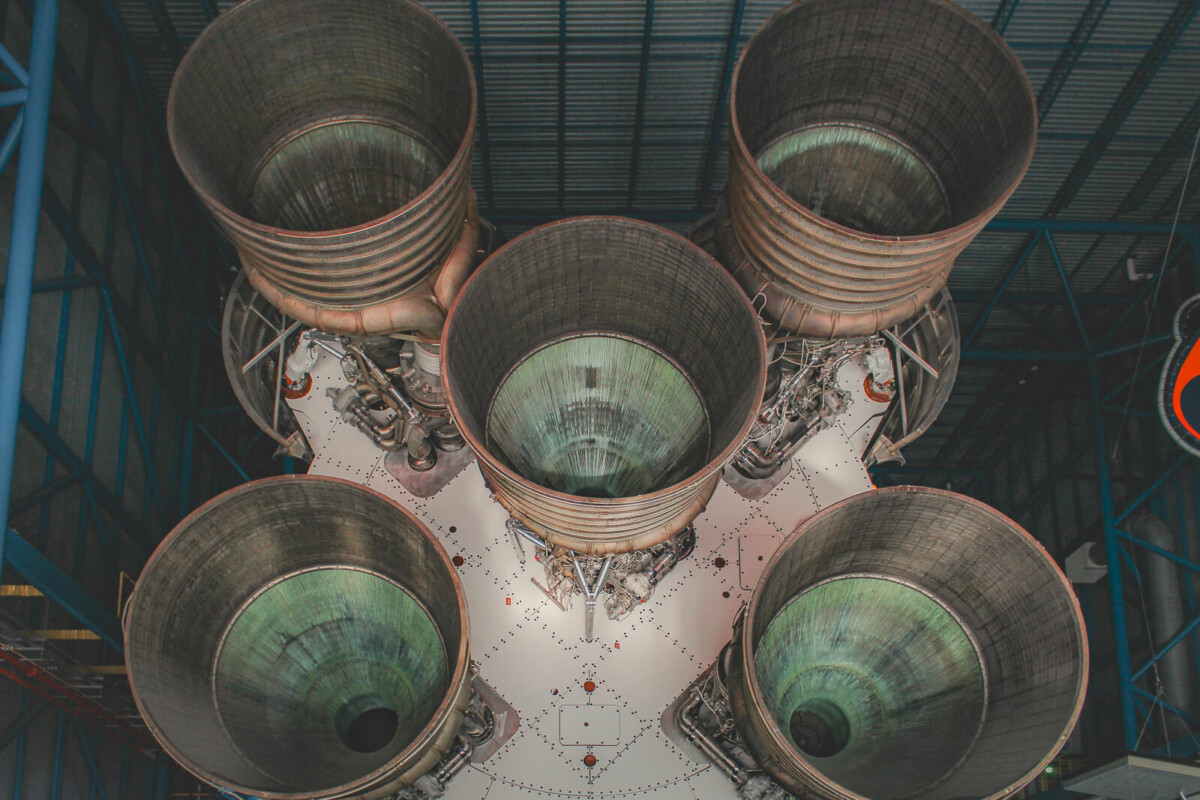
{"type": "Point", "coordinates": [332, 144]}
{"type": "Point", "coordinates": [300, 637]}
{"type": "Point", "coordinates": [870, 143]}
{"type": "Point", "coordinates": [604, 370]}
{"type": "Point", "coordinates": [908, 643]}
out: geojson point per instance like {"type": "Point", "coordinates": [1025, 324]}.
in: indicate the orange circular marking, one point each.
{"type": "Point", "coordinates": [296, 390]}
{"type": "Point", "coordinates": [589, 686]}
{"type": "Point", "coordinates": [1188, 370]}
{"type": "Point", "coordinates": [590, 760]}
{"type": "Point", "coordinates": [875, 392]}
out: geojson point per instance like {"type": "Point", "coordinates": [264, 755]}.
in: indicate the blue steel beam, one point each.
{"type": "Point", "coordinates": [162, 780]}
{"type": "Point", "coordinates": [148, 459]}
{"type": "Point", "coordinates": [60, 756]}
{"type": "Point", "coordinates": [639, 114]}
{"type": "Point", "coordinates": [562, 103]}
{"type": "Point", "coordinates": [58, 586]}
{"type": "Point", "coordinates": [14, 322]}
{"type": "Point", "coordinates": [46, 492]}
{"type": "Point", "coordinates": [1066, 282]}
{"type": "Point", "coordinates": [9, 145]}
{"type": "Point", "coordinates": [1113, 552]}
{"type": "Point", "coordinates": [1004, 15]}
{"type": "Point", "coordinates": [1180, 460]}
{"type": "Point", "coordinates": [150, 111]}
{"type": "Point", "coordinates": [1177, 146]}
{"type": "Point", "coordinates": [1169, 706]}
{"type": "Point", "coordinates": [1179, 20]}
{"type": "Point", "coordinates": [1166, 648]}
{"type": "Point", "coordinates": [67, 457]}
{"type": "Point", "coordinates": [89, 757]}
{"type": "Point", "coordinates": [25, 718]}
{"type": "Point", "coordinates": [1167, 554]}
{"type": "Point", "coordinates": [485, 143]}
{"type": "Point", "coordinates": [1069, 57]}
{"type": "Point", "coordinates": [721, 102]}
{"type": "Point", "coordinates": [89, 451]}
{"type": "Point", "coordinates": [18, 774]}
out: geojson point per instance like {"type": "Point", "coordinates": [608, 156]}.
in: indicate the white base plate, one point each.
{"type": "Point", "coordinates": [535, 655]}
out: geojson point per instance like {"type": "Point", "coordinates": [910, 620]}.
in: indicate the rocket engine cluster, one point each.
{"type": "Point", "coordinates": [607, 374]}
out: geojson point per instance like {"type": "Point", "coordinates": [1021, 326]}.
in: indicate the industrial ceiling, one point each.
{"type": "Point", "coordinates": [1065, 302]}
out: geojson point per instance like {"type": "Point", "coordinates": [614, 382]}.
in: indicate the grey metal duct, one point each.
{"type": "Point", "coordinates": [604, 370]}
{"type": "Point", "coordinates": [870, 143]}
{"type": "Point", "coordinates": [908, 643]}
{"type": "Point", "coordinates": [1164, 594]}
{"type": "Point", "coordinates": [300, 637]}
{"type": "Point", "coordinates": [333, 146]}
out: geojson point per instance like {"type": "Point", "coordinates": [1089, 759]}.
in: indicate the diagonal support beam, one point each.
{"type": "Point", "coordinates": [1069, 56]}
{"type": "Point", "coordinates": [22, 248]}
{"type": "Point", "coordinates": [55, 584]}
{"type": "Point", "coordinates": [1126, 100]}
{"type": "Point", "coordinates": [61, 452]}
{"type": "Point", "coordinates": [721, 102]}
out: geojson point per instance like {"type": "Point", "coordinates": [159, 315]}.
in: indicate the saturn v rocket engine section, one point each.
{"type": "Point", "coordinates": [904, 643]}
{"type": "Point", "coordinates": [910, 366]}
{"type": "Point", "coordinates": [305, 637]}
{"type": "Point", "coordinates": [334, 150]}
{"type": "Point", "coordinates": [604, 371]}
{"type": "Point", "coordinates": [870, 143]}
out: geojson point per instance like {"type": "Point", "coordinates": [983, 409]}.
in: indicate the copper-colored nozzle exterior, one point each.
{"type": "Point", "coordinates": [908, 643]}
{"type": "Point", "coordinates": [301, 637]}
{"type": "Point", "coordinates": [604, 370]}
{"type": "Point", "coordinates": [870, 142]}
{"type": "Point", "coordinates": [333, 147]}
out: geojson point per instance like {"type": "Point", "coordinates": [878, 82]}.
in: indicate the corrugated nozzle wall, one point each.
{"type": "Point", "coordinates": [604, 370]}
{"type": "Point", "coordinates": [870, 143]}
{"type": "Point", "coordinates": [333, 146]}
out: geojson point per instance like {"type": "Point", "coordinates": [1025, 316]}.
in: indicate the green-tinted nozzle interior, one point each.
{"type": "Point", "coordinates": [327, 675]}
{"type": "Point", "coordinates": [876, 684]}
